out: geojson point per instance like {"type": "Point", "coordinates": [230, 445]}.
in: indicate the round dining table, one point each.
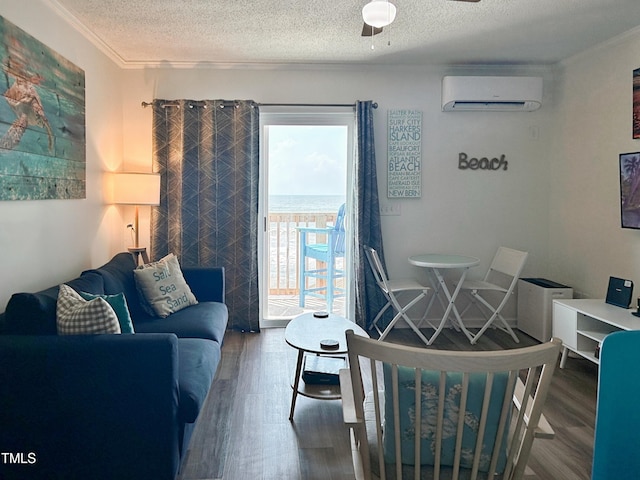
{"type": "Point", "coordinates": [435, 263]}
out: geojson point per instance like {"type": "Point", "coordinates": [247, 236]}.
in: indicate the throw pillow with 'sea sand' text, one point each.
{"type": "Point", "coordinates": [163, 286]}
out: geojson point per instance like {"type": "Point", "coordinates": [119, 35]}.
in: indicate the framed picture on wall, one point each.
{"type": "Point", "coordinates": [630, 190]}
{"type": "Point", "coordinates": [636, 103]}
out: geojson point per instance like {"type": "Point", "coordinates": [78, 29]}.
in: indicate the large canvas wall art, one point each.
{"type": "Point", "coordinates": [42, 121]}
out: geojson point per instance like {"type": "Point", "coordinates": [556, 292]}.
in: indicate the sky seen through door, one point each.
{"type": "Point", "coordinates": [307, 160]}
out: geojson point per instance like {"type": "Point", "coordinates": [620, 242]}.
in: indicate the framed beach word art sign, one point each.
{"type": "Point", "coordinates": [42, 121]}
{"type": "Point", "coordinates": [404, 172]}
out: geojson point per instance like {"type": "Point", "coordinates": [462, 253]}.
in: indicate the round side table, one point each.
{"type": "Point", "coordinates": [304, 333]}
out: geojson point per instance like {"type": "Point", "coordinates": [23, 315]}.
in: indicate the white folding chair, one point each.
{"type": "Point", "coordinates": [501, 278]}
{"type": "Point", "coordinates": [390, 288]}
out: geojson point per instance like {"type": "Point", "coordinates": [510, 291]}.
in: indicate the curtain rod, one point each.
{"type": "Point", "coordinates": [374, 104]}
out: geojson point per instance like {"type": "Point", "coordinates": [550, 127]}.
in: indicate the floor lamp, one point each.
{"type": "Point", "coordinates": [137, 189]}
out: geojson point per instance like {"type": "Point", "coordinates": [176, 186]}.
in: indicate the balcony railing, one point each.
{"type": "Point", "coordinates": [284, 251]}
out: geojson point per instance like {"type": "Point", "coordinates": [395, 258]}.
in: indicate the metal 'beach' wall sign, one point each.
{"type": "Point", "coordinates": [404, 170]}
{"type": "Point", "coordinates": [42, 120]}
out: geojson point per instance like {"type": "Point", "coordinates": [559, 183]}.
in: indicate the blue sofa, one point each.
{"type": "Point", "coordinates": [106, 406]}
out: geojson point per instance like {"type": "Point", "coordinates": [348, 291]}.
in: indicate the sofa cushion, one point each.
{"type": "Point", "coordinates": [117, 274]}
{"type": "Point", "coordinates": [119, 304]}
{"type": "Point", "coordinates": [77, 316]}
{"type": "Point", "coordinates": [206, 320]}
{"type": "Point", "coordinates": [197, 363]}
{"type": "Point", "coordinates": [35, 313]}
{"type": "Point", "coordinates": [163, 287]}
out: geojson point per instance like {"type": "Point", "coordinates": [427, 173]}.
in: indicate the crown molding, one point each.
{"type": "Point", "coordinates": [77, 25]}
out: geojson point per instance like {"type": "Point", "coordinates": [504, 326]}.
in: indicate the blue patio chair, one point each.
{"type": "Point", "coordinates": [327, 253]}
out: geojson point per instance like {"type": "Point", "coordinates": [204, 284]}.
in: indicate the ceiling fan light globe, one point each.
{"type": "Point", "coordinates": [379, 13]}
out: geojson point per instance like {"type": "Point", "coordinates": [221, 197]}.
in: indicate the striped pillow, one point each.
{"type": "Point", "coordinates": [77, 316]}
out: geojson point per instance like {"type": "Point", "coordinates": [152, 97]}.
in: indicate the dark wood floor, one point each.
{"type": "Point", "coordinates": [244, 431]}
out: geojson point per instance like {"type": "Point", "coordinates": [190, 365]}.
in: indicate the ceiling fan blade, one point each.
{"type": "Point", "coordinates": [369, 31]}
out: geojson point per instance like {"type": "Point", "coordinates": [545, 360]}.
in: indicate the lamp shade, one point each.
{"type": "Point", "coordinates": [135, 188]}
{"type": "Point", "coordinates": [379, 13]}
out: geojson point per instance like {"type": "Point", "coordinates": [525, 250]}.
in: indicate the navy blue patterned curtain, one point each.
{"type": "Point", "coordinates": [207, 155]}
{"type": "Point", "coordinates": [369, 298]}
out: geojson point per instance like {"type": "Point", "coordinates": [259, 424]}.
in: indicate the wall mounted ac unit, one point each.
{"type": "Point", "coordinates": [497, 94]}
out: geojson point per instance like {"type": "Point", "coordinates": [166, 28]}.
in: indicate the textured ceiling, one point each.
{"type": "Point", "coordinates": [328, 31]}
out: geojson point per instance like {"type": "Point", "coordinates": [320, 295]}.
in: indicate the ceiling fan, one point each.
{"type": "Point", "coordinates": [380, 13]}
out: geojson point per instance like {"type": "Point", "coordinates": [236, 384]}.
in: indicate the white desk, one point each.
{"type": "Point", "coordinates": [582, 325]}
{"type": "Point", "coordinates": [435, 262]}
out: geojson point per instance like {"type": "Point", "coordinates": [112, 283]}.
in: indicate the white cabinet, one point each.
{"type": "Point", "coordinates": [582, 324]}
{"type": "Point", "coordinates": [535, 296]}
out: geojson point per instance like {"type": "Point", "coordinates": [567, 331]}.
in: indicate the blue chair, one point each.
{"type": "Point", "coordinates": [327, 253]}
{"type": "Point", "coordinates": [617, 442]}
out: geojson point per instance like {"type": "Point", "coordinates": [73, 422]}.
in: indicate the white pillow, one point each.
{"type": "Point", "coordinates": [77, 316]}
{"type": "Point", "coordinates": [163, 287]}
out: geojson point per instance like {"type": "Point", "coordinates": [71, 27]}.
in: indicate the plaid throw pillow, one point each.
{"type": "Point", "coordinates": [77, 316]}
{"type": "Point", "coordinates": [119, 304]}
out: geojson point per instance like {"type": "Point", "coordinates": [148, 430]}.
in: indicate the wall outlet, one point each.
{"type": "Point", "coordinates": [390, 209]}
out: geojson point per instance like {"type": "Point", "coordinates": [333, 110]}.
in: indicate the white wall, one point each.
{"type": "Point", "coordinates": [558, 199]}
{"type": "Point", "coordinates": [50, 241]}
{"type": "Point", "coordinates": [470, 212]}
{"type": "Point", "coordinates": [594, 105]}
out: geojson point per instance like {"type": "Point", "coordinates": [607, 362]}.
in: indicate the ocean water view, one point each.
{"type": "Point", "coordinates": [305, 203]}
{"type": "Point", "coordinates": [284, 221]}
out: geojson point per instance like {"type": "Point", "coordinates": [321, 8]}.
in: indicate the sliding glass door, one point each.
{"type": "Point", "coordinates": [306, 157]}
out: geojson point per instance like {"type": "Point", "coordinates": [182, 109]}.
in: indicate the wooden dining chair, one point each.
{"type": "Point", "coordinates": [425, 413]}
